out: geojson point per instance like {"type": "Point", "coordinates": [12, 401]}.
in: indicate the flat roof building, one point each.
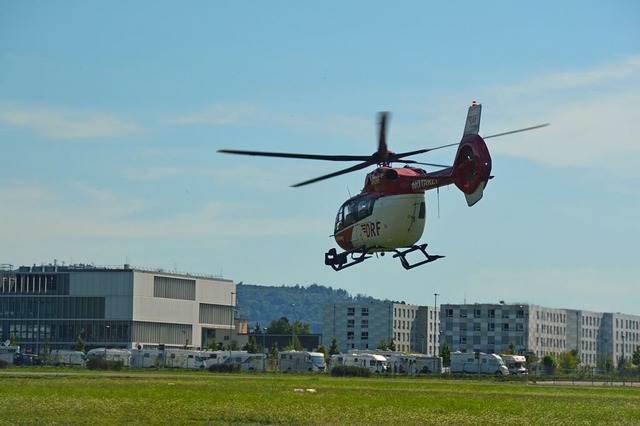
{"type": "Point", "coordinates": [494, 328]}
{"type": "Point", "coordinates": [355, 325]}
{"type": "Point", "coordinates": [54, 306]}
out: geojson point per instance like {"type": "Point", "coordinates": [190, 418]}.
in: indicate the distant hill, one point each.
{"type": "Point", "coordinates": [263, 304]}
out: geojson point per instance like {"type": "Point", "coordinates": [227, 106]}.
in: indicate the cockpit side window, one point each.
{"type": "Point", "coordinates": [353, 211]}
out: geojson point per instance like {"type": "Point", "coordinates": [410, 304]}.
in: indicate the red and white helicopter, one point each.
{"type": "Point", "coordinates": [389, 214]}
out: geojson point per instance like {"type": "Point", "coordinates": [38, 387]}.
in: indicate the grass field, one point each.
{"type": "Point", "coordinates": [205, 398]}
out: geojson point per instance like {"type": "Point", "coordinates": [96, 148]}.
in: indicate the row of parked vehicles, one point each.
{"type": "Point", "coordinates": [375, 361]}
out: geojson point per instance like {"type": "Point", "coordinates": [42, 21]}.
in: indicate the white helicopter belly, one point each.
{"type": "Point", "coordinates": [396, 221]}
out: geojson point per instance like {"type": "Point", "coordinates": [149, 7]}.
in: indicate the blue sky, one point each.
{"type": "Point", "coordinates": [111, 115]}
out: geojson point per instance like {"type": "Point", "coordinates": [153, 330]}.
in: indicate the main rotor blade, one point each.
{"type": "Point", "coordinates": [383, 151]}
{"type": "Point", "coordinates": [399, 155]}
{"type": "Point", "coordinates": [334, 174]}
{"type": "Point", "coordinates": [424, 164]}
{"type": "Point", "coordinates": [302, 156]}
{"type": "Point", "coordinates": [517, 131]}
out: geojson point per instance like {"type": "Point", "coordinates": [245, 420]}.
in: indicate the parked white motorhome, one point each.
{"type": "Point", "coordinates": [67, 357]}
{"type": "Point", "coordinates": [416, 363]}
{"type": "Point", "coordinates": [182, 358]}
{"type": "Point", "coordinates": [147, 358]}
{"type": "Point", "coordinates": [301, 361]}
{"type": "Point", "coordinates": [376, 363]}
{"type": "Point", "coordinates": [467, 362]}
{"type": "Point", "coordinates": [247, 361]}
{"type": "Point", "coordinates": [123, 355]}
{"type": "Point", "coordinates": [171, 358]}
{"type": "Point", "coordinates": [515, 363]}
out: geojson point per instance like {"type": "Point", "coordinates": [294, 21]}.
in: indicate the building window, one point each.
{"type": "Point", "coordinates": [477, 313]}
{"type": "Point", "coordinates": [519, 327]}
{"type": "Point", "coordinates": [364, 335]}
{"type": "Point", "coordinates": [520, 313]}
{"type": "Point", "coordinates": [351, 311]}
{"type": "Point", "coordinates": [463, 313]}
{"type": "Point", "coordinates": [463, 340]}
{"type": "Point", "coordinates": [505, 326]}
{"type": "Point", "coordinates": [492, 327]}
{"type": "Point", "coordinates": [365, 323]}
{"type": "Point", "coordinates": [365, 312]}
{"type": "Point", "coordinates": [448, 313]}
{"type": "Point", "coordinates": [350, 323]}
{"type": "Point", "coordinates": [174, 288]}
{"type": "Point", "coordinates": [492, 313]}
{"type": "Point", "coordinates": [476, 326]}
{"type": "Point", "coordinates": [505, 314]}
{"type": "Point", "coordinates": [349, 335]}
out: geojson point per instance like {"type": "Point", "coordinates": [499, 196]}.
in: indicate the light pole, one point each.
{"type": "Point", "coordinates": [293, 323]}
{"type": "Point", "coordinates": [435, 316]}
{"type": "Point", "coordinates": [231, 325]}
{"type": "Point", "coordinates": [264, 349]}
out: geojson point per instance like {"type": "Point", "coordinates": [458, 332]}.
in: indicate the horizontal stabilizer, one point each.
{"type": "Point", "coordinates": [475, 196]}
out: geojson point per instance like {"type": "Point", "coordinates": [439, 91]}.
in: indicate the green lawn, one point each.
{"type": "Point", "coordinates": [205, 398]}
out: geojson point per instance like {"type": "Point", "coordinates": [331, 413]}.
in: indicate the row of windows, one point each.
{"type": "Point", "coordinates": [492, 327]}
{"type": "Point", "coordinates": [351, 311]}
{"type": "Point", "coordinates": [174, 288]}
{"type": "Point", "coordinates": [215, 314]}
{"type": "Point", "coordinates": [478, 313]}
{"type": "Point", "coordinates": [61, 334]}
{"type": "Point", "coordinates": [52, 307]}
{"type": "Point", "coordinates": [491, 340]}
{"type": "Point", "coordinates": [35, 284]}
{"type": "Point", "coordinates": [625, 323]}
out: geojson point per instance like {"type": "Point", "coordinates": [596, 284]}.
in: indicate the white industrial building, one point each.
{"type": "Point", "coordinates": [355, 325]}
{"type": "Point", "coordinates": [493, 328]}
{"type": "Point", "coordinates": [125, 307]}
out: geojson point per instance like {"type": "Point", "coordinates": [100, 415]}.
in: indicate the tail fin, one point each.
{"type": "Point", "coordinates": [472, 166]}
{"type": "Point", "coordinates": [472, 126]}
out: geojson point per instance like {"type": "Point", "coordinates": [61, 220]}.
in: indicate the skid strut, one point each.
{"type": "Point", "coordinates": [405, 263]}
{"type": "Point", "coordinates": [340, 261]}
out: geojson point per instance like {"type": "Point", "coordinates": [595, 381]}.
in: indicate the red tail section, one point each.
{"type": "Point", "coordinates": [472, 167]}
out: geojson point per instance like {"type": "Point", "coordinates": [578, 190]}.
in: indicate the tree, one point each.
{"type": "Point", "coordinates": [80, 344]}
{"type": "Point", "coordinates": [283, 326]}
{"type": "Point", "coordinates": [273, 356]}
{"type": "Point", "coordinates": [568, 361]}
{"type": "Point", "coordinates": [549, 363]}
{"type": "Point", "coordinates": [511, 350]}
{"type": "Point", "coordinates": [635, 357]}
{"type": "Point", "coordinates": [251, 346]}
{"type": "Point", "coordinates": [333, 349]}
{"type": "Point", "coordinates": [323, 350]}
{"type": "Point", "coordinates": [445, 353]}
{"type": "Point", "coordinates": [383, 346]}
{"type": "Point", "coordinates": [392, 345]}
{"type": "Point", "coordinates": [12, 339]}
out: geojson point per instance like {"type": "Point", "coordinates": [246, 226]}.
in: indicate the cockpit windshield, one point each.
{"type": "Point", "coordinates": [353, 211]}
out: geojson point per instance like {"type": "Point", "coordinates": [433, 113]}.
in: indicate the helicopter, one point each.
{"type": "Point", "coordinates": [389, 214]}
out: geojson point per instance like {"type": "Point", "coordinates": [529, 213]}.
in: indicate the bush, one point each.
{"type": "Point", "coordinates": [350, 371]}
{"type": "Point", "coordinates": [3, 364]}
{"type": "Point", "coordinates": [224, 368]}
{"type": "Point", "coordinates": [97, 363]}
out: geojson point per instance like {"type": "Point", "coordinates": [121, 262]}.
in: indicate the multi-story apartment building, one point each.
{"type": "Point", "coordinates": [363, 326]}
{"type": "Point", "coordinates": [494, 328]}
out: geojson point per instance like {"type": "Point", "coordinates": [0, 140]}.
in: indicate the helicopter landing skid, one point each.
{"type": "Point", "coordinates": [339, 261]}
{"type": "Point", "coordinates": [421, 247]}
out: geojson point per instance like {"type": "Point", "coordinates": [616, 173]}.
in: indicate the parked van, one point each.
{"type": "Point", "coordinates": [515, 363]}
{"type": "Point", "coordinates": [301, 361]}
{"type": "Point", "coordinates": [477, 362]}
{"type": "Point", "coordinates": [376, 363]}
